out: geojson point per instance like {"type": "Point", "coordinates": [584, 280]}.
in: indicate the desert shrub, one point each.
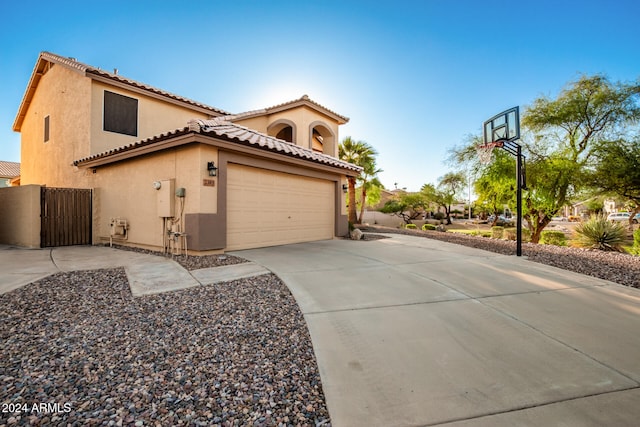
{"type": "Point", "coordinates": [497, 231]}
{"type": "Point", "coordinates": [635, 249]}
{"type": "Point", "coordinates": [411, 226]}
{"type": "Point", "coordinates": [551, 237]}
{"type": "Point", "coordinates": [426, 227]}
{"type": "Point", "coordinates": [599, 233]}
{"type": "Point", "coordinates": [439, 216]}
{"type": "Point", "coordinates": [511, 234]}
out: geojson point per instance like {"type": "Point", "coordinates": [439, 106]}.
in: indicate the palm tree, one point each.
{"type": "Point", "coordinates": [368, 179]}
{"type": "Point", "coordinates": [358, 153]}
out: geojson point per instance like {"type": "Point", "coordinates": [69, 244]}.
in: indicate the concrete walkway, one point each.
{"type": "Point", "coordinates": [147, 274]}
{"type": "Point", "coordinates": [416, 332]}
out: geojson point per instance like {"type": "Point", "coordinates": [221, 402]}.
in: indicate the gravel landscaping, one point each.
{"type": "Point", "coordinates": [614, 266]}
{"type": "Point", "coordinates": [78, 350]}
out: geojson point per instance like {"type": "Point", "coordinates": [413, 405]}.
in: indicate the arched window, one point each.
{"type": "Point", "coordinates": [322, 139]}
{"type": "Point", "coordinates": [283, 129]}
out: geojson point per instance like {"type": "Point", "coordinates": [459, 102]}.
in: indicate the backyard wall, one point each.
{"type": "Point", "coordinates": [20, 216]}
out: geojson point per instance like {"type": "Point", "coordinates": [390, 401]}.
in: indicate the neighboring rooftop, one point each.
{"type": "Point", "coordinates": [9, 169]}
{"type": "Point", "coordinates": [227, 131]}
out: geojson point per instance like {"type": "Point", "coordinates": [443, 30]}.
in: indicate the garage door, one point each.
{"type": "Point", "coordinates": [267, 208]}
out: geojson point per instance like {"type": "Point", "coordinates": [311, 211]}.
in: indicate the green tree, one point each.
{"type": "Point", "coordinates": [617, 171]}
{"type": "Point", "coordinates": [565, 133]}
{"type": "Point", "coordinates": [368, 180]}
{"type": "Point", "coordinates": [407, 206]}
{"type": "Point", "coordinates": [449, 186]}
{"type": "Point", "coordinates": [495, 187]}
{"type": "Point", "coordinates": [358, 153]}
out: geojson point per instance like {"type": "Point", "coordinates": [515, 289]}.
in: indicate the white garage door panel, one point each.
{"type": "Point", "coordinates": [266, 208]}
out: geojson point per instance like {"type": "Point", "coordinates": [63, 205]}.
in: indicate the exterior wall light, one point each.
{"type": "Point", "coordinates": [345, 188]}
{"type": "Point", "coordinates": [213, 170]}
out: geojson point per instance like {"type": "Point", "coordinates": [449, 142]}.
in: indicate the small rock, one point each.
{"type": "Point", "coordinates": [356, 234]}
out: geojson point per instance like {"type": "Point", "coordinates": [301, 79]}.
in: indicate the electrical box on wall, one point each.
{"type": "Point", "coordinates": [180, 192]}
{"type": "Point", "coordinates": [166, 198]}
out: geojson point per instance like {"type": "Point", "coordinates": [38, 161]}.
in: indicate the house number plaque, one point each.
{"type": "Point", "coordinates": [209, 182]}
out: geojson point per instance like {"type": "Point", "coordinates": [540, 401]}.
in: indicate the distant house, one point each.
{"type": "Point", "coordinates": [164, 163]}
{"type": "Point", "coordinates": [9, 172]}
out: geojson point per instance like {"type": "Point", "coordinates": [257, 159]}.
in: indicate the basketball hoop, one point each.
{"type": "Point", "coordinates": [485, 151]}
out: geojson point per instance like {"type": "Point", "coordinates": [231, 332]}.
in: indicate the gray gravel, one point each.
{"type": "Point", "coordinates": [191, 262]}
{"type": "Point", "coordinates": [616, 267]}
{"type": "Point", "coordinates": [236, 353]}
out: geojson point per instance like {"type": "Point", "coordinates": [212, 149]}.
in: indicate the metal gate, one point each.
{"type": "Point", "coordinates": [65, 217]}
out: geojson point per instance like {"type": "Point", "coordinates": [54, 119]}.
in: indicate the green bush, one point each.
{"type": "Point", "coordinates": [497, 231]}
{"type": "Point", "coordinates": [511, 234]}
{"type": "Point", "coordinates": [426, 227]}
{"type": "Point", "coordinates": [551, 237]}
{"type": "Point", "coordinates": [635, 249]}
{"type": "Point", "coordinates": [411, 226]}
{"type": "Point", "coordinates": [599, 233]}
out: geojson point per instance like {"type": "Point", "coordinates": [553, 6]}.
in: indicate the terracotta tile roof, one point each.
{"type": "Point", "coordinates": [73, 63]}
{"type": "Point", "coordinates": [303, 100]}
{"type": "Point", "coordinates": [225, 130]}
{"type": "Point", "coordinates": [9, 169]}
{"type": "Point", "coordinates": [48, 57]}
{"type": "Point", "coordinates": [138, 144]}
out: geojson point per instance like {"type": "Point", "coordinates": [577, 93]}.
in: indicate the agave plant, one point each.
{"type": "Point", "coordinates": [599, 233]}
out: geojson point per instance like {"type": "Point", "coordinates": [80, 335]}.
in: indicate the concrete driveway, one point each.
{"type": "Point", "coordinates": [415, 332]}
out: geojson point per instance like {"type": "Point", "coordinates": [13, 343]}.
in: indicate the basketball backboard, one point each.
{"type": "Point", "coordinates": [503, 127]}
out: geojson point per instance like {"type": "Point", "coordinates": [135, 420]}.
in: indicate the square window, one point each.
{"type": "Point", "coordinates": [120, 114]}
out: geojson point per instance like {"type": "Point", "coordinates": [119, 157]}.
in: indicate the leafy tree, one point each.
{"type": "Point", "coordinates": [358, 153]}
{"type": "Point", "coordinates": [595, 205]}
{"type": "Point", "coordinates": [566, 132]}
{"type": "Point", "coordinates": [407, 206]}
{"type": "Point", "coordinates": [496, 186]}
{"type": "Point", "coordinates": [617, 171]}
{"type": "Point", "coordinates": [444, 195]}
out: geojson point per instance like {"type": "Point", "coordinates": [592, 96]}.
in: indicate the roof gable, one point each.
{"type": "Point", "coordinates": [304, 100]}
{"type": "Point", "coordinates": [47, 59]}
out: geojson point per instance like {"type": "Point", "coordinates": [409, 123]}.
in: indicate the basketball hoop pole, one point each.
{"type": "Point", "coordinates": [505, 128]}
{"type": "Point", "coordinates": [519, 185]}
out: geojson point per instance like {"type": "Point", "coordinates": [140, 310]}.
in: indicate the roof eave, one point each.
{"type": "Point", "coordinates": [186, 136]}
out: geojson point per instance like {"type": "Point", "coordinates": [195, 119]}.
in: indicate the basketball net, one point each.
{"type": "Point", "coordinates": [485, 151]}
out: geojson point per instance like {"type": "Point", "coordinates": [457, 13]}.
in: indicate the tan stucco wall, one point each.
{"type": "Point", "coordinates": [303, 117]}
{"type": "Point", "coordinates": [125, 190]}
{"type": "Point", "coordinates": [154, 118]}
{"type": "Point", "coordinates": [259, 123]}
{"type": "Point", "coordinates": [63, 95]}
{"type": "Point", "coordinates": [20, 214]}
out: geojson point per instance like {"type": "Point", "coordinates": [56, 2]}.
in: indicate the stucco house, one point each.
{"type": "Point", "coordinates": [161, 165]}
{"type": "Point", "coordinates": [9, 172]}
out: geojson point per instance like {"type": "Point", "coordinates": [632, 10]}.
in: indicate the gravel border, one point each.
{"type": "Point", "coordinates": [190, 262]}
{"type": "Point", "coordinates": [613, 266]}
{"type": "Point", "coordinates": [229, 354]}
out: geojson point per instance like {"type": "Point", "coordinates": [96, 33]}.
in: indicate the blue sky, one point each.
{"type": "Point", "coordinates": [414, 77]}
